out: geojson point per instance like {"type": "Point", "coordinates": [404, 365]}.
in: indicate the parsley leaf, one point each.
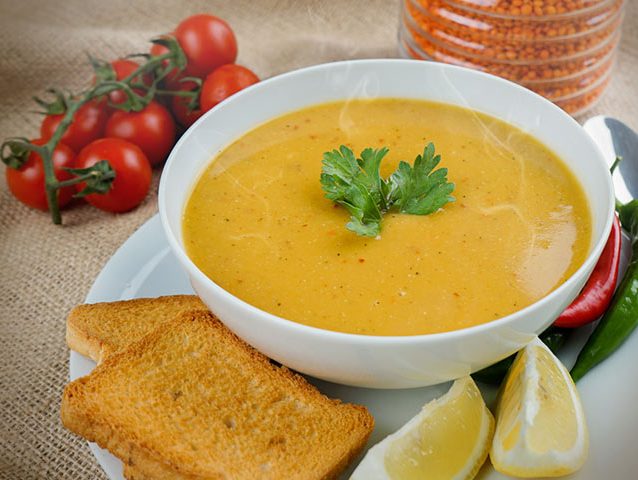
{"type": "Point", "coordinates": [357, 185]}
{"type": "Point", "coordinates": [419, 190]}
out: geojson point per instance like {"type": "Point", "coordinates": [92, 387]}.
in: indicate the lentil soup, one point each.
{"type": "Point", "coordinates": [258, 224]}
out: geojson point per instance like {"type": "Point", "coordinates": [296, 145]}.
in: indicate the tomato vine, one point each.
{"type": "Point", "coordinates": [138, 94]}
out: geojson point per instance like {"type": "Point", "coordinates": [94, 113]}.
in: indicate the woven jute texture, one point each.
{"type": "Point", "coordinates": [44, 269]}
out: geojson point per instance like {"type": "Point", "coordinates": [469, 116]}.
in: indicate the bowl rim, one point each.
{"type": "Point", "coordinates": [356, 338]}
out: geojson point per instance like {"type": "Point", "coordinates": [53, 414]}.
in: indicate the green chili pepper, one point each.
{"type": "Point", "coordinates": [628, 214]}
{"type": "Point", "coordinates": [553, 337]}
{"type": "Point", "coordinates": [622, 317]}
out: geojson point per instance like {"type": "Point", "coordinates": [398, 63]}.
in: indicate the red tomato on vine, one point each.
{"type": "Point", "coordinates": [223, 82]}
{"type": "Point", "coordinates": [152, 129]}
{"type": "Point", "coordinates": [27, 182]}
{"type": "Point", "coordinates": [88, 125]}
{"type": "Point", "coordinates": [208, 43]}
{"type": "Point", "coordinates": [132, 174]}
{"type": "Point", "coordinates": [180, 108]}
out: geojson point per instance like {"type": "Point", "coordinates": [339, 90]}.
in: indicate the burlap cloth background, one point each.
{"type": "Point", "coordinates": [44, 269]}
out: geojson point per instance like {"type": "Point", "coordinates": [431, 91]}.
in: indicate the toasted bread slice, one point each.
{"type": "Point", "coordinates": [97, 330]}
{"type": "Point", "coordinates": [192, 401]}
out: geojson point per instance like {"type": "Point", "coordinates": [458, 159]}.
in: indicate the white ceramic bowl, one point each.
{"type": "Point", "coordinates": [372, 361]}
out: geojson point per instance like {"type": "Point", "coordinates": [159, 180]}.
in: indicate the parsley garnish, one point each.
{"type": "Point", "coordinates": [357, 185]}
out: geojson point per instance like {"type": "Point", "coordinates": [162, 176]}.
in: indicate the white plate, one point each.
{"type": "Point", "coordinates": [145, 267]}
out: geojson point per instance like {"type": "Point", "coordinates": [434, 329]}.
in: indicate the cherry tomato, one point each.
{"type": "Point", "coordinates": [123, 68]}
{"type": "Point", "coordinates": [27, 182]}
{"type": "Point", "coordinates": [208, 43]}
{"type": "Point", "coordinates": [152, 129]}
{"type": "Point", "coordinates": [179, 107]}
{"type": "Point", "coordinates": [88, 125]}
{"type": "Point", "coordinates": [132, 173]}
{"type": "Point", "coordinates": [223, 82]}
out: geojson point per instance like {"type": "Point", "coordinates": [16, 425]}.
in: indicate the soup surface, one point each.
{"type": "Point", "coordinates": [257, 222]}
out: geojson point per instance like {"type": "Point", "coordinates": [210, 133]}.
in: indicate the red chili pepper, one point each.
{"type": "Point", "coordinates": [597, 293]}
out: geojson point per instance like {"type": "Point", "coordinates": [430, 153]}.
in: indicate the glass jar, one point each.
{"type": "Point", "coordinates": [561, 49]}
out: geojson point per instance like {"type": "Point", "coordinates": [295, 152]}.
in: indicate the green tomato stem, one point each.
{"type": "Point", "coordinates": [177, 93]}
{"type": "Point", "coordinates": [50, 180]}
{"type": "Point", "coordinates": [148, 66]}
{"type": "Point", "coordinates": [83, 178]}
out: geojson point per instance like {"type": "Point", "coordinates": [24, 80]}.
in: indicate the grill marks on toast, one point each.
{"type": "Point", "coordinates": [192, 400]}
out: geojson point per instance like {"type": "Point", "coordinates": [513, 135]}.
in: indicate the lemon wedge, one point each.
{"type": "Point", "coordinates": [540, 425]}
{"type": "Point", "coordinates": [448, 440]}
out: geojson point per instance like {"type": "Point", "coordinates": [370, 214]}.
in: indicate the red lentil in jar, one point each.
{"type": "Point", "coordinates": [562, 49]}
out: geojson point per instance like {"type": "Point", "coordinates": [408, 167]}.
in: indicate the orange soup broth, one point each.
{"type": "Point", "coordinates": [258, 224]}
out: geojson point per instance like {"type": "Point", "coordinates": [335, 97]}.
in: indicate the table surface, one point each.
{"type": "Point", "coordinates": [45, 270]}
